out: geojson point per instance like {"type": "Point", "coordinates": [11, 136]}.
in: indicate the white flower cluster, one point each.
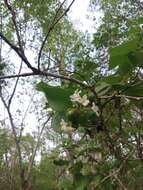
{"type": "Point", "coordinates": [95, 109]}
{"type": "Point", "coordinates": [65, 126]}
{"type": "Point", "coordinates": [98, 156]}
{"type": "Point", "coordinates": [77, 98]}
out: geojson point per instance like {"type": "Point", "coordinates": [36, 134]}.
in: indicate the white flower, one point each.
{"type": "Point", "coordinates": [95, 109]}
{"type": "Point", "coordinates": [84, 82]}
{"type": "Point", "coordinates": [84, 101]}
{"type": "Point", "coordinates": [77, 98]}
{"type": "Point", "coordinates": [80, 158]}
{"type": "Point", "coordinates": [85, 160]}
{"type": "Point", "coordinates": [49, 110]}
{"type": "Point", "coordinates": [65, 127]}
{"type": "Point", "coordinates": [98, 156]}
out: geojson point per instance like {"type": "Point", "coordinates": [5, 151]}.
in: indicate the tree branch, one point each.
{"type": "Point", "coordinates": [13, 14]}
{"type": "Point", "coordinates": [21, 170]}
{"type": "Point", "coordinates": [122, 96]}
{"type": "Point", "coordinates": [15, 86]}
{"type": "Point", "coordinates": [114, 173]}
{"type": "Point", "coordinates": [46, 74]}
{"type": "Point", "coordinates": [18, 52]}
{"type": "Point", "coordinates": [54, 22]}
{"type": "Point", "coordinates": [35, 150]}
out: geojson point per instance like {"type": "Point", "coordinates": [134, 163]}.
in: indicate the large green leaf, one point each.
{"type": "Point", "coordinates": [136, 90]}
{"type": "Point", "coordinates": [124, 48]}
{"type": "Point", "coordinates": [58, 98]}
{"type": "Point", "coordinates": [136, 57]}
{"type": "Point", "coordinates": [81, 183]}
{"type": "Point", "coordinates": [102, 88]}
{"type": "Point", "coordinates": [113, 79]}
{"type": "Point", "coordinates": [61, 162]}
{"type": "Point", "coordinates": [65, 183]}
{"type": "Point", "coordinates": [56, 119]}
{"type": "Point", "coordinates": [122, 57]}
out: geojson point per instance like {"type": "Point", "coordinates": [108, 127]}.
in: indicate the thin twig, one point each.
{"type": "Point", "coordinates": [46, 74]}
{"type": "Point", "coordinates": [21, 171]}
{"type": "Point", "coordinates": [34, 152]}
{"type": "Point", "coordinates": [13, 14]}
{"type": "Point", "coordinates": [122, 96]}
{"type": "Point", "coordinates": [36, 71]}
{"type": "Point", "coordinates": [114, 172]}
{"type": "Point", "coordinates": [54, 22]}
{"type": "Point", "coordinates": [18, 52]}
{"type": "Point", "coordinates": [120, 182]}
{"type": "Point", "coordinates": [15, 86]}
{"type": "Point", "coordinates": [22, 122]}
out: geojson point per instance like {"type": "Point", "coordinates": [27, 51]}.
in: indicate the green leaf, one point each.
{"type": "Point", "coordinates": [56, 119]}
{"type": "Point", "coordinates": [61, 162]}
{"type": "Point", "coordinates": [102, 88]}
{"type": "Point", "coordinates": [2, 65]}
{"type": "Point", "coordinates": [65, 183]}
{"type": "Point", "coordinates": [136, 57]}
{"type": "Point", "coordinates": [58, 98]}
{"type": "Point", "coordinates": [121, 57]}
{"type": "Point", "coordinates": [136, 90]}
{"type": "Point", "coordinates": [112, 79]}
{"type": "Point", "coordinates": [81, 183]}
{"type": "Point", "coordinates": [140, 20]}
{"type": "Point", "coordinates": [124, 48]}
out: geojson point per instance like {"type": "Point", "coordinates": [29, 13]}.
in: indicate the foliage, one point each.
{"type": "Point", "coordinates": [97, 115]}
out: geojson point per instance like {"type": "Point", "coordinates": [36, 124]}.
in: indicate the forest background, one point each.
{"type": "Point", "coordinates": [71, 101]}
